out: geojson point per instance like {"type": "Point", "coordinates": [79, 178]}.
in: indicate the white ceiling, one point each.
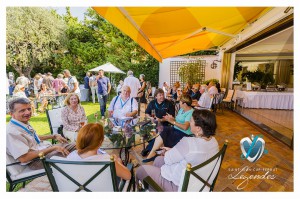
{"type": "Point", "coordinates": [282, 42]}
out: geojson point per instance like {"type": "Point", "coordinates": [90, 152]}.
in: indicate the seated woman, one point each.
{"type": "Point", "coordinates": [42, 97]}
{"type": "Point", "coordinates": [172, 93]}
{"type": "Point", "coordinates": [73, 117]}
{"type": "Point", "coordinates": [187, 89]}
{"type": "Point", "coordinates": [19, 92]}
{"type": "Point", "coordinates": [123, 105]}
{"type": "Point", "coordinates": [166, 170]}
{"type": "Point", "coordinates": [170, 136]}
{"type": "Point", "coordinates": [89, 139]}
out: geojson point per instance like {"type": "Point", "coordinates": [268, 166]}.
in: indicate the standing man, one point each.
{"type": "Point", "coordinates": [72, 83]}
{"type": "Point", "coordinates": [104, 87]}
{"type": "Point", "coordinates": [22, 80]}
{"type": "Point", "coordinates": [87, 86]}
{"type": "Point", "coordinates": [133, 83]}
{"type": "Point", "coordinates": [22, 141]}
{"type": "Point", "coordinates": [48, 80]}
{"type": "Point", "coordinates": [94, 87]}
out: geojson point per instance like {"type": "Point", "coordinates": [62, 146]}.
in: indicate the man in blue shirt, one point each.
{"type": "Point", "coordinates": [87, 86]}
{"type": "Point", "coordinates": [104, 87]}
{"type": "Point", "coordinates": [86, 81]}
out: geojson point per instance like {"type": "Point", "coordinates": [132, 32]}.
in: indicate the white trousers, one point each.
{"type": "Point", "coordinates": [71, 135]}
{"type": "Point", "coordinates": [94, 93]}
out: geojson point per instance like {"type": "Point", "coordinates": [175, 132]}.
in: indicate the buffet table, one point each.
{"type": "Point", "coordinates": [268, 100]}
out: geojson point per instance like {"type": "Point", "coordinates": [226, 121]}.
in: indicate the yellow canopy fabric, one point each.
{"type": "Point", "coordinates": [169, 31]}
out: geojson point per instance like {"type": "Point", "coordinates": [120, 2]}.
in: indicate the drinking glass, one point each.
{"type": "Point", "coordinates": [153, 113]}
{"type": "Point", "coordinates": [96, 116]}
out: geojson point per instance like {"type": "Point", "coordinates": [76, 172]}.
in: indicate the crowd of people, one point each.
{"type": "Point", "coordinates": [186, 136]}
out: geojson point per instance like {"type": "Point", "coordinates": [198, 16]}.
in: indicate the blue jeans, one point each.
{"type": "Point", "coordinates": [102, 100]}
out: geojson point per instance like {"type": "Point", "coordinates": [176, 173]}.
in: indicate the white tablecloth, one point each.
{"type": "Point", "coordinates": [269, 100]}
{"type": "Point", "coordinates": [84, 97]}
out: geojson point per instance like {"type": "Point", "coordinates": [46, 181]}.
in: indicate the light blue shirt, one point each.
{"type": "Point", "coordinates": [183, 117]}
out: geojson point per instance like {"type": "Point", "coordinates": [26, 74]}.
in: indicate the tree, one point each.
{"type": "Point", "coordinates": [33, 35]}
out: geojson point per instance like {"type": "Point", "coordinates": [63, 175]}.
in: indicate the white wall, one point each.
{"type": "Point", "coordinates": [164, 67]}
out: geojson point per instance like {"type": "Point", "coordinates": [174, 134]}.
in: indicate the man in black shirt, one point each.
{"type": "Point", "coordinates": [161, 106]}
{"type": "Point", "coordinates": [196, 93]}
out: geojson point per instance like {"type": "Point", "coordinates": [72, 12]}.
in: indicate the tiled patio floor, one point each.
{"type": "Point", "coordinates": [278, 163]}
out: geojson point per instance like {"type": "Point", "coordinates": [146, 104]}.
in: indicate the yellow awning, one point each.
{"type": "Point", "coordinates": [169, 31]}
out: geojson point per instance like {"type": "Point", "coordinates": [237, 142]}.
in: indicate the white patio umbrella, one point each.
{"type": "Point", "coordinates": [108, 67]}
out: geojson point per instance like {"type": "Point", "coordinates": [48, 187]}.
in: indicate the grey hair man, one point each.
{"type": "Point", "coordinates": [22, 141]}
{"type": "Point", "coordinates": [204, 101]}
{"type": "Point", "coordinates": [133, 83]}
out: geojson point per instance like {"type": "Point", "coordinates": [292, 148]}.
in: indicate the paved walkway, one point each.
{"type": "Point", "coordinates": [277, 164]}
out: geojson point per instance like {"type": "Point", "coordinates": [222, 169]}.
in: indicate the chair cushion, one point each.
{"type": "Point", "coordinates": [16, 169]}
{"type": "Point", "coordinates": [27, 172]}
{"type": "Point", "coordinates": [55, 119]}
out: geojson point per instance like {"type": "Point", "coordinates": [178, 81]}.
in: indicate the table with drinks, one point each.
{"type": "Point", "coordinates": [123, 134]}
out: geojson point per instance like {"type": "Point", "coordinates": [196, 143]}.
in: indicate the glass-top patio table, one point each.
{"type": "Point", "coordinates": [134, 132]}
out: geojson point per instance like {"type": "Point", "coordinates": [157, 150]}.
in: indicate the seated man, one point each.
{"type": "Point", "coordinates": [24, 144]}
{"type": "Point", "coordinates": [195, 92]}
{"type": "Point", "coordinates": [161, 106]}
{"type": "Point", "coordinates": [123, 105]}
{"type": "Point", "coordinates": [204, 101]}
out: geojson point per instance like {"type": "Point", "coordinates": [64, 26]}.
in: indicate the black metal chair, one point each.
{"type": "Point", "coordinates": [17, 173]}
{"type": "Point", "coordinates": [87, 176]}
{"type": "Point", "coordinates": [199, 178]}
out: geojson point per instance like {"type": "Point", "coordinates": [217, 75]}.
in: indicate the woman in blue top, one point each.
{"type": "Point", "coordinates": [170, 136]}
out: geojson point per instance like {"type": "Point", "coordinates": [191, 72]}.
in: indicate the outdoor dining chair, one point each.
{"type": "Point", "coordinates": [199, 178]}
{"type": "Point", "coordinates": [54, 120]}
{"type": "Point", "coordinates": [17, 173]}
{"type": "Point", "coordinates": [85, 176]}
{"type": "Point", "coordinates": [209, 107]}
{"type": "Point", "coordinates": [228, 100]}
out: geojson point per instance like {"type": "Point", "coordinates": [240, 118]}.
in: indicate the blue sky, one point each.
{"type": "Point", "coordinates": [75, 11]}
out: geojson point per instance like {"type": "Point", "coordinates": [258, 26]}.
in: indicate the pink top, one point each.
{"type": "Point", "coordinates": [57, 84]}
{"type": "Point", "coordinates": [71, 120]}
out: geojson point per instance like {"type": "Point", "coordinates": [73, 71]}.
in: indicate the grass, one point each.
{"type": "Point", "coordinates": [41, 125]}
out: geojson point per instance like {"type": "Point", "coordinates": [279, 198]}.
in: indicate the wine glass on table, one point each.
{"type": "Point", "coordinates": [83, 121]}
{"type": "Point", "coordinates": [96, 116]}
{"type": "Point", "coordinates": [153, 113]}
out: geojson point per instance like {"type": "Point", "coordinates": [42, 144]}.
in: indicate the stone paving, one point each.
{"type": "Point", "coordinates": [236, 174]}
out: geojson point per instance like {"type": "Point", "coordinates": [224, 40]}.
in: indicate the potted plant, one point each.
{"type": "Point", "coordinates": [189, 72]}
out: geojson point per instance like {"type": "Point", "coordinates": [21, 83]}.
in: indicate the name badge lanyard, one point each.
{"type": "Point", "coordinates": [27, 131]}
{"type": "Point", "coordinates": [122, 105]}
